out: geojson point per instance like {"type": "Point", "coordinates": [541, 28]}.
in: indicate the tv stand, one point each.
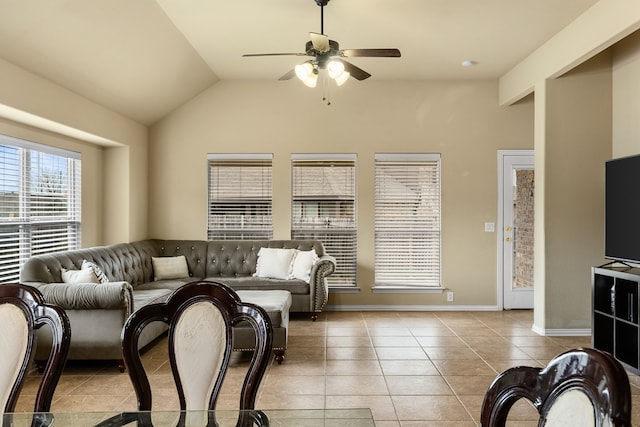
{"type": "Point", "coordinates": [612, 263]}
{"type": "Point", "coordinates": [615, 326]}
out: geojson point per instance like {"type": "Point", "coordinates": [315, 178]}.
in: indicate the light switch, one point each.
{"type": "Point", "coordinates": [489, 227]}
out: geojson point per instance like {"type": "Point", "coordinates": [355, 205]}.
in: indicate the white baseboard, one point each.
{"type": "Point", "coordinates": [411, 308]}
{"type": "Point", "coordinates": [561, 332]}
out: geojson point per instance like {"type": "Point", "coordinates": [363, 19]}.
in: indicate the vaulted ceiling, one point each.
{"type": "Point", "coordinates": [144, 58]}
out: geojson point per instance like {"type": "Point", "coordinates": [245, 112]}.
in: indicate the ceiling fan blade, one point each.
{"type": "Point", "coordinates": [356, 73]}
{"type": "Point", "coordinates": [320, 42]}
{"type": "Point", "coordinates": [372, 53]}
{"type": "Point", "coordinates": [289, 74]}
{"type": "Point", "coordinates": [275, 54]}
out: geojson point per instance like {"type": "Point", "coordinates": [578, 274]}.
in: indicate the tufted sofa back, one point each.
{"type": "Point", "coordinates": [120, 262]}
{"type": "Point", "coordinates": [131, 262]}
{"type": "Point", "coordinates": [195, 251]}
{"type": "Point", "coordinates": [238, 258]}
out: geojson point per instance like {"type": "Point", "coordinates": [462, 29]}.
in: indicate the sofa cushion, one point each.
{"type": "Point", "coordinates": [263, 284]}
{"type": "Point", "coordinates": [302, 264]}
{"type": "Point", "coordinates": [149, 296]}
{"type": "Point", "coordinates": [84, 275]}
{"type": "Point", "coordinates": [170, 267]}
{"type": "Point", "coordinates": [275, 263]}
{"type": "Point", "coordinates": [171, 284]}
{"type": "Point", "coordinates": [102, 278]}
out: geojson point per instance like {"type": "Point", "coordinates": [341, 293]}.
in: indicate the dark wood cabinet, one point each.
{"type": "Point", "coordinates": [614, 323]}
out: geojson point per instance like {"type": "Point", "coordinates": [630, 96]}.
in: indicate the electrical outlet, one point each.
{"type": "Point", "coordinates": [450, 296]}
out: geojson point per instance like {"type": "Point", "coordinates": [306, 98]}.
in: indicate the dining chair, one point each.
{"type": "Point", "coordinates": [580, 387]}
{"type": "Point", "coordinates": [200, 316]}
{"type": "Point", "coordinates": [23, 311]}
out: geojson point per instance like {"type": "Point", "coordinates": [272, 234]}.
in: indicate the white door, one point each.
{"type": "Point", "coordinates": [515, 225]}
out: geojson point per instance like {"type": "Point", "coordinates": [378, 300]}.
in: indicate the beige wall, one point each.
{"type": "Point", "coordinates": [460, 120]}
{"type": "Point", "coordinates": [626, 97]}
{"type": "Point", "coordinates": [114, 150]}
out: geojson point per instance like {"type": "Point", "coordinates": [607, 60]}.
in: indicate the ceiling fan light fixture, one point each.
{"type": "Point", "coordinates": [307, 74]}
{"type": "Point", "coordinates": [342, 78]}
{"type": "Point", "coordinates": [335, 68]}
{"type": "Point", "coordinates": [304, 70]}
{"type": "Point", "coordinates": [337, 72]}
{"type": "Point", "coordinates": [311, 81]}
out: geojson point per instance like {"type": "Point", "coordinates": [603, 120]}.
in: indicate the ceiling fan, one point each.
{"type": "Point", "coordinates": [327, 55]}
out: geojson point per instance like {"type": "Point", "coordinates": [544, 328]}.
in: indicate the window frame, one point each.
{"type": "Point", "coordinates": [258, 223]}
{"type": "Point", "coordinates": [345, 213]}
{"type": "Point", "coordinates": [398, 277]}
{"type": "Point", "coordinates": [47, 221]}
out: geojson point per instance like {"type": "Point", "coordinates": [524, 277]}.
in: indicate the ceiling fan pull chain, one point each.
{"type": "Point", "coordinates": [326, 89]}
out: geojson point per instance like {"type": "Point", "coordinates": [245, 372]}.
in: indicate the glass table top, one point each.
{"type": "Point", "coordinates": [222, 418]}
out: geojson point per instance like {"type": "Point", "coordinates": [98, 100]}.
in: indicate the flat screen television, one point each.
{"type": "Point", "coordinates": [622, 209]}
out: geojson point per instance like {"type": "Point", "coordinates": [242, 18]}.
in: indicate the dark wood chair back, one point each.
{"type": "Point", "coordinates": [22, 312]}
{"type": "Point", "coordinates": [587, 385]}
{"type": "Point", "coordinates": [200, 316]}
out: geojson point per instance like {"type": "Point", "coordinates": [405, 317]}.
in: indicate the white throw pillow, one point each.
{"type": "Point", "coordinates": [275, 263]}
{"type": "Point", "coordinates": [170, 267]}
{"type": "Point", "coordinates": [302, 264]}
{"type": "Point", "coordinates": [102, 278]}
{"type": "Point", "coordinates": [86, 275]}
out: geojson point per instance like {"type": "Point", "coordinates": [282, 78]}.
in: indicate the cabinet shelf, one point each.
{"type": "Point", "coordinates": [615, 314]}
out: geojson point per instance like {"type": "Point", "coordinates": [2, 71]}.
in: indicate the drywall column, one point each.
{"type": "Point", "coordinates": [539, 251]}
{"type": "Point", "coordinates": [576, 143]}
{"type": "Point", "coordinates": [126, 193]}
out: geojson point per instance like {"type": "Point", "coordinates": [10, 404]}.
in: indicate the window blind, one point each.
{"type": "Point", "coordinates": [324, 208]}
{"type": "Point", "coordinates": [40, 202]}
{"type": "Point", "coordinates": [240, 197]}
{"type": "Point", "coordinates": [407, 220]}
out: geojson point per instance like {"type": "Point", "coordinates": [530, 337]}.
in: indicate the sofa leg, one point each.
{"type": "Point", "coordinates": [121, 366]}
{"type": "Point", "coordinates": [314, 316]}
{"type": "Point", "coordinates": [279, 356]}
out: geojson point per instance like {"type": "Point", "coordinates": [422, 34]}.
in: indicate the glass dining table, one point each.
{"type": "Point", "coordinates": [218, 418]}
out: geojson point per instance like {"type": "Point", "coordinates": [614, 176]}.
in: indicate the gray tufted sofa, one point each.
{"type": "Point", "coordinates": [98, 311]}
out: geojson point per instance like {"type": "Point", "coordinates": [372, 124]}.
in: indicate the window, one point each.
{"type": "Point", "coordinates": [240, 197]}
{"type": "Point", "coordinates": [39, 203]}
{"type": "Point", "coordinates": [324, 208]}
{"type": "Point", "coordinates": [407, 220]}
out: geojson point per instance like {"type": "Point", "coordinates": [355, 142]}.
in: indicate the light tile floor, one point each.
{"type": "Point", "coordinates": [412, 369]}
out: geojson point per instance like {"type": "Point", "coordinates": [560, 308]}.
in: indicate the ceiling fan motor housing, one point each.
{"type": "Point", "coordinates": [334, 49]}
{"type": "Point", "coordinates": [321, 58]}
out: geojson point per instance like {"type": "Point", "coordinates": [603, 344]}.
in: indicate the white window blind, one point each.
{"type": "Point", "coordinates": [324, 208]}
{"type": "Point", "coordinates": [407, 220]}
{"type": "Point", "coordinates": [40, 206]}
{"type": "Point", "coordinates": [240, 196]}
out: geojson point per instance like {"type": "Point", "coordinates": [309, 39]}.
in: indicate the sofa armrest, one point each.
{"type": "Point", "coordinates": [319, 290]}
{"type": "Point", "coordinates": [89, 296]}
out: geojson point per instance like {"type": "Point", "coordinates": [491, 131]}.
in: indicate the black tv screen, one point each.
{"type": "Point", "coordinates": [622, 209]}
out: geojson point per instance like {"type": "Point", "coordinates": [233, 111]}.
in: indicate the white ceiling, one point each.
{"type": "Point", "coordinates": [144, 58]}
